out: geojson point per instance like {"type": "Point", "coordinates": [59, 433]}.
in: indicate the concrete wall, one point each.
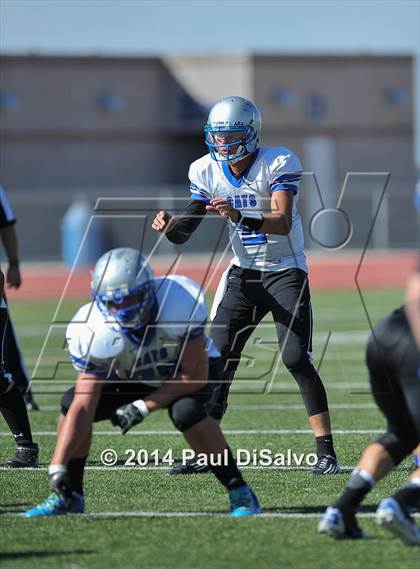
{"type": "Point", "coordinates": [131, 126]}
{"type": "Point", "coordinates": [91, 122]}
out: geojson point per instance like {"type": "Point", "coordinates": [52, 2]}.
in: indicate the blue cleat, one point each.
{"type": "Point", "coordinates": [54, 505]}
{"type": "Point", "coordinates": [340, 525]}
{"type": "Point", "coordinates": [392, 517]}
{"type": "Point", "coordinates": [243, 502]}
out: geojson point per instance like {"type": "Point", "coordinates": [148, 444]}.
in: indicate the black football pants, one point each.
{"type": "Point", "coordinates": [249, 296]}
{"type": "Point", "coordinates": [393, 360]}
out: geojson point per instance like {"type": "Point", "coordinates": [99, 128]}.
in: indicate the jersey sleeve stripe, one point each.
{"type": "Point", "coordinates": [196, 189]}
{"type": "Point", "coordinates": [85, 366]}
{"type": "Point", "coordinates": [287, 187]}
{"type": "Point", "coordinates": [199, 197]}
{"type": "Point", "coordinates": [287, 178]}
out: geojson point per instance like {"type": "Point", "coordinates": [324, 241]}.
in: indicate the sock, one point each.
{"type": "Point", "coordinates": [76, 470]}
{"type": "Point", "coordinates": [325, 445]}
{"type": "Point", "coordinates": [360, 483]}
{"type": "Point", "coordinates": [14, 411]}
{"type": "Point", "coordinates": [228, 474]}
{"type": "Point", "coordinates": [408, 496]}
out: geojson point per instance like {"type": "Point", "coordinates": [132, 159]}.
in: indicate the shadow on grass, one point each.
{"type": "Point", "coordinates": [25, 554]}
{"type": "Point", "coordinates": [14, 508]}
{"type": "Point", "coordinates": [14, 504]}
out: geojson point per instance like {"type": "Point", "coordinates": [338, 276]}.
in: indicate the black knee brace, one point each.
{"type": "Point", "coordinates": [398, 446]}
{"type": "Point", "coordinates": [186, 412]}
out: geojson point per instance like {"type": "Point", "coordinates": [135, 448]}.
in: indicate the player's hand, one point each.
{"type": "Point", "coordinates": [221, 207]}
{"type": "Point", "coordinates": [127, 416]}
{"type": "Point", "coordinates": [163, 222]}
{"type": "Point", "coordinates": [13, 278]}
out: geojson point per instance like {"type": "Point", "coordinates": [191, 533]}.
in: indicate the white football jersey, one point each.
{"type": "Point", "coordinates": [98, 345]}
{"type": "Point", "coordinates": [272, 170]}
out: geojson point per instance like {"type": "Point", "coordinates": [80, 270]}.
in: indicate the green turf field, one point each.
{"type": "Point", "coordinates": [136, 517]}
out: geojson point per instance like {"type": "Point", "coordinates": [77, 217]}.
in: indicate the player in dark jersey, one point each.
{"type": "Point", "coordinates": [393, 359]}
{"type": "Point", "coordinates": [14, 380]}
{"type": "Point", "coordinates": [9, 240]}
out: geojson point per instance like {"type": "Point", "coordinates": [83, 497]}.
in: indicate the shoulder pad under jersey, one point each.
{"type": "Point", "coordinates": [92, 342]}
{"type": "Point", "coordinates": [182, 306]}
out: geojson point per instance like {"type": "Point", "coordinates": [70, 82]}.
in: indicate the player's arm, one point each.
{"type": "Point", "coordinates": [9, 240]}
{"type": "Point", "coordinates": [278, 221]}
{"type": "Point", "coordinates": [79, 418]}
{"type": "Point", "coordinates": [10, 243]}
{"type": "Point", "coordinates": [412, 305]}
{"type": "Point", "coordinates": [192, 376]}
{"type": "Point", "coordinates": [180, 230]}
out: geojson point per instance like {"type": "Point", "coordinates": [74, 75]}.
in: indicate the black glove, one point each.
{"type": "Point", "coordinates": [60, 481]}
{"type": "Point", "coordinates": [129, 415]}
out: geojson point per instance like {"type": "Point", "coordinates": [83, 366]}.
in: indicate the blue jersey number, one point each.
{"type": "Point", "coordinates": [251, 238]}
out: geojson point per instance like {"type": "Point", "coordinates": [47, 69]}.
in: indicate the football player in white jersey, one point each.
{"type": "Point", "coordinates": [140, 347]}
{"type": "Point", "coordinates": [256, 190]}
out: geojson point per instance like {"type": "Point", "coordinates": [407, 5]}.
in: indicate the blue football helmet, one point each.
{"type": "Point", "coordinates": [233, 129]}
{"type": "Point", "coordinates": [123, 287]}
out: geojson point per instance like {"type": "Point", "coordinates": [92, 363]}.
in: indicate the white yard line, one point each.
{"type": "Point", "coordinates": [163, 468]}
{"type": "Point", "coordinates": [329, 356]}
{"type": "Point", "coordinates": [226, 431]}
{"type": "Point", "coordinates": [256, 386]}
{"type": "Point", "coordinates": [30, 330]}
{"type": "Point", "coordinates": [285, 406]}
{"type": "Point", "coordinates": [265, 406]}
{"type": "Point", "coordinates": [143, 514]}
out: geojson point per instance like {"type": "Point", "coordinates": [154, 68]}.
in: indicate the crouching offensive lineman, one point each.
{"type": "Point", "coordinates": [393, 359]}
{"type": "Point", "coordinates": [139, 347]}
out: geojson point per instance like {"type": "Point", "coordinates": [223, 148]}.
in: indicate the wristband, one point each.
{"type": "Point", "coordinates": [253, 223]}
{"type": "Point", "coordinates": [142, 407]}
{"type": "Point", "coordinates": [14, 263]}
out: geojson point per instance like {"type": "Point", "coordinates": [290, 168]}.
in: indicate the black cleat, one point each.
{"type": "Point", "coordinates": [326, 464]}
{"type": "Point", "coordinates": [25, 457]}
{"type": "Point", "coordinates": [188, 467]}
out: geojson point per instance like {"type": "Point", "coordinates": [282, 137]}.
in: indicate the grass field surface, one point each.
{"type": "Point", "coordinates": [138, 517]}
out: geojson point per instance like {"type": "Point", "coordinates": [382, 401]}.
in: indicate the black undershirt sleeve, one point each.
{"type": "Point", "coordinates": [190, 219]}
